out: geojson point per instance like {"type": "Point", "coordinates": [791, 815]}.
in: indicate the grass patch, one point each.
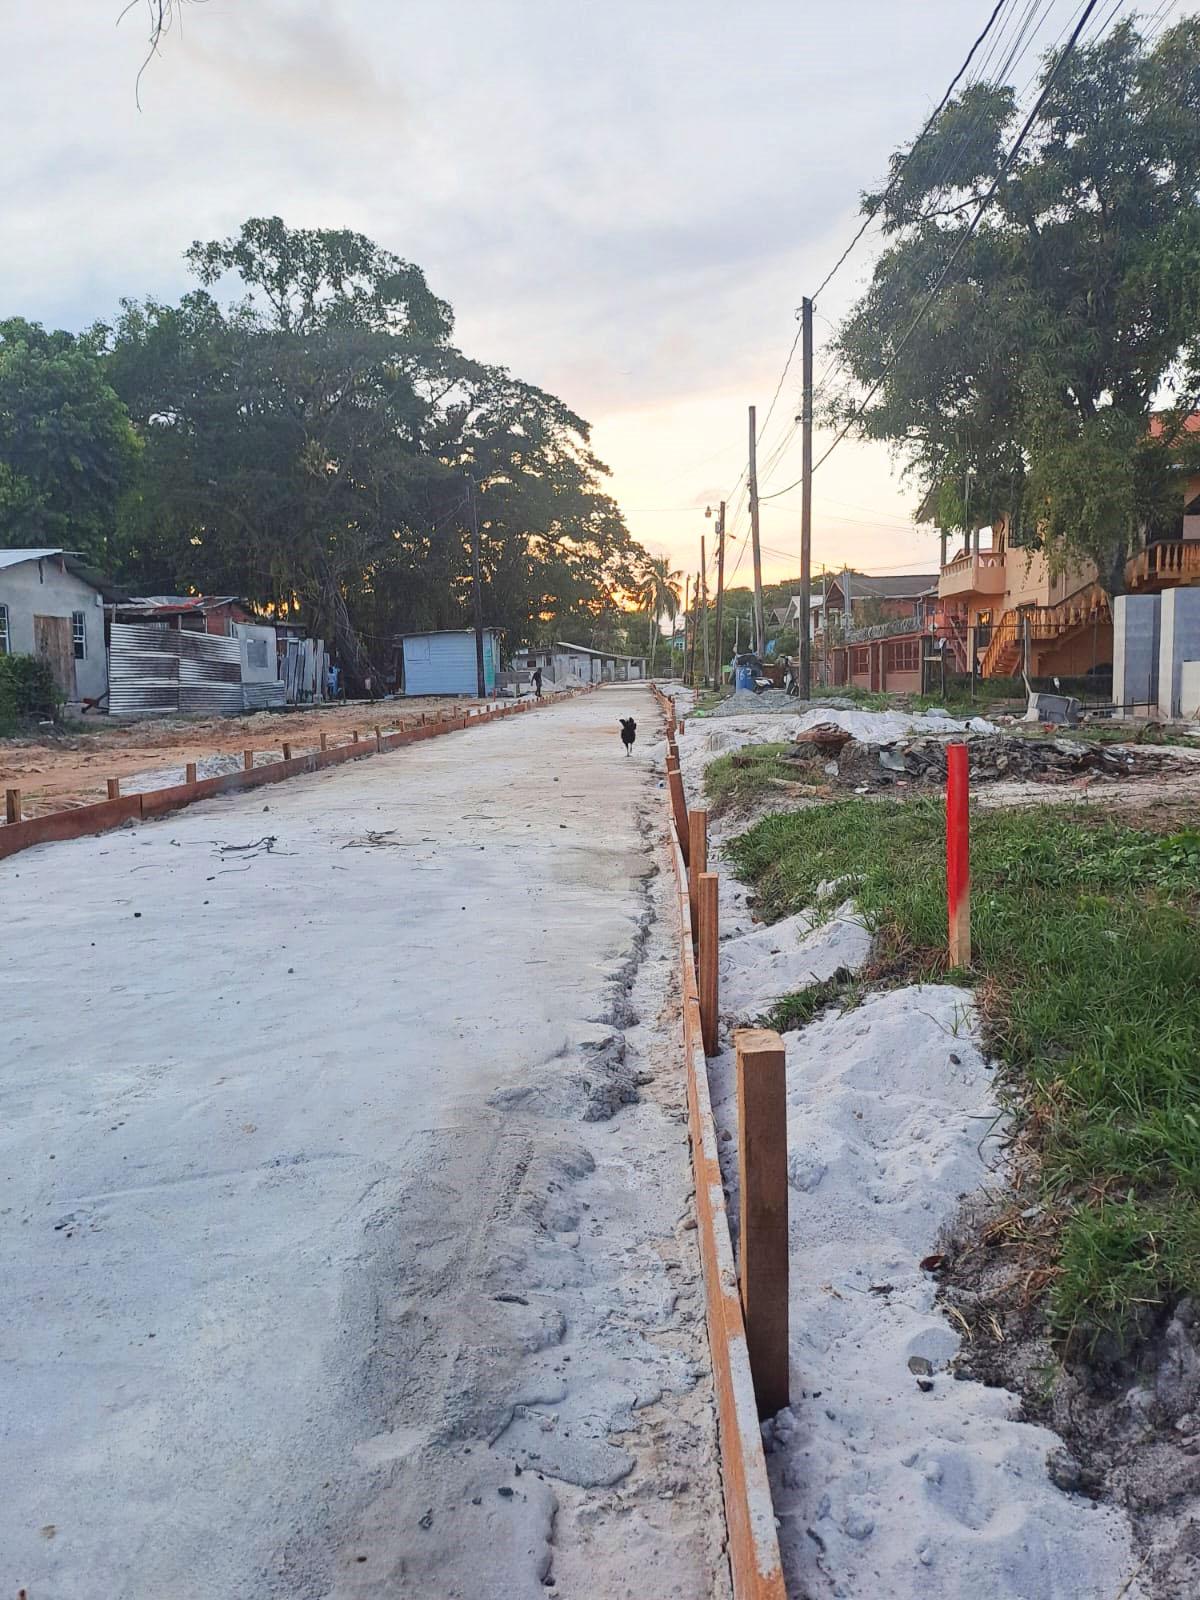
{"type": "Point", "coordinates": [1086, 937]}
{"type": "Point", "coordinates": [737, 781]}
{"type": "Point", "coordinates": [797, 1010]}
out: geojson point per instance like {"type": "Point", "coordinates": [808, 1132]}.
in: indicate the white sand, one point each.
{"type": "Point", "coordinates": [881, 1488]}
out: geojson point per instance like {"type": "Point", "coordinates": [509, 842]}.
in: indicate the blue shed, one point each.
{"type": "Point", "coordinates": [444, 662]}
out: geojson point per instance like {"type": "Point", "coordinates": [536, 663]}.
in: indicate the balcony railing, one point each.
{"type": "Point", "coordinates": [973, 574]}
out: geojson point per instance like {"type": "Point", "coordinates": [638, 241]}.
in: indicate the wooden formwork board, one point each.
{"type": "Point", "coordinates": [749, 1514]}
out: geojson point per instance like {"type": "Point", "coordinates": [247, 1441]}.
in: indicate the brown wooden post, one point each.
{"type": "Point", "coordinates": [324, 741]}
{"type": "Point", "coordinates": [247, 760]}
{"type": "Point", "coordinates": [763, 1250]}
{"type": "Point", "coordinates": [678, 806]}
{"type": "Point", "coordinates": [378, 739]}
{"type": "Point", "coordinates": [707, 885]}
{"type": "Point", "coordinates": [287, 752]}
{"type": "Point", "coordinates": [354, 737]}
{"type": "Point", "coordinates": [12, 805]}
{"type": "Point", "coordinates": [114, 788]}
{"type": "Point", "coordinates": [697, 863]}
{"type": "Point", "coordinates": [189, 772]}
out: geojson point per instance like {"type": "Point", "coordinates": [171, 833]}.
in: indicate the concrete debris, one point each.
{"type": "Point", "coordinates": [995, 757]}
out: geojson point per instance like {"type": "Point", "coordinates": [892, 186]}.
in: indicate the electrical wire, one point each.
{"type": "Point", "coordinates": [941, 106]}
{"type": "Point", "coordinates": [965, 239]}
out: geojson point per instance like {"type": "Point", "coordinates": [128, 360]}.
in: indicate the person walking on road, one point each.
{"type": "Point", "coordinates": [537, 682]}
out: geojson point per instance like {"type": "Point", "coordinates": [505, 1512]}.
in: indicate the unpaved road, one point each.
{"type": "Point", "coordinates": [69, 768]}
{"type": "Point", "coordinates": [344, 1192]}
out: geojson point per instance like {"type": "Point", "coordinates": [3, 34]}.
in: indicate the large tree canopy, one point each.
{"type": "Point", "coordinates": [320, 444]}
{"type": "Point", "coordinates": [1026, 389]}
{"type": "Point", "coordinates": [67, 448]}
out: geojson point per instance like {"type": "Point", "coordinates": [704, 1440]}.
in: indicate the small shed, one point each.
{"type": "Point", "coordinates": [52, 605]}
{"type": "Point", "coordinates": [443, 662]}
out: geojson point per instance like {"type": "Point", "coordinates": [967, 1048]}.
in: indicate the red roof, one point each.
{"type": "Point", "coordinates": [1158, 423]}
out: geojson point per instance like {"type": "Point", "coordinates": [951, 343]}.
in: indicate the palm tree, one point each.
{"type": "Point", "coordinates": [658, 594]}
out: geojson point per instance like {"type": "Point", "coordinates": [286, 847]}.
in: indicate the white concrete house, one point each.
{"type": "Point", "coordinates": [52, 605]}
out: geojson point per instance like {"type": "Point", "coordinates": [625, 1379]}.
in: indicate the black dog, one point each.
{"type": "Point", "coordinates": [628, 734]}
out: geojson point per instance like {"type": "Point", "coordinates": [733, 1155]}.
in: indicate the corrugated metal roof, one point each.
{"type": "Point", "coordinates": [171, 603]}
{"type": "Point", "coordinates": [14, 558]}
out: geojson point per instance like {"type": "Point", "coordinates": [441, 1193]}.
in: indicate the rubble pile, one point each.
{"type": "Point", "coordinates": [992, 758]}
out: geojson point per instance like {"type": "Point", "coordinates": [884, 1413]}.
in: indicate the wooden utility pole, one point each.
{"type": "Point", "coordinates": [687, 578]}
{"type": "Point", "coordinates": [704, 607]}
{"type": "Point", "coordinates": [691, 678]}
{"type": "Point", "coordinates": [806, 313]}
{"type": "Point", "coordinates": [476, 584]}
{"type": "Point", "coordinates": [720, 653]}
{"type": "Point", "coordinates": [760, 632]}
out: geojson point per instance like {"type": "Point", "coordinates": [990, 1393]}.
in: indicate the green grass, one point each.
{"type": "Point", "coordinates": [735, 782]}
{"type": "Point", "coordinates": [1086, 939]}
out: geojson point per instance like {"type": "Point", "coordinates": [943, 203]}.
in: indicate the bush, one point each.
{"type": "Point", "coordinates": [27, 691]}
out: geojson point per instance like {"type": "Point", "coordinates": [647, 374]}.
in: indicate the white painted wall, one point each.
{"type": "Point", "coordinates": [45, 589]}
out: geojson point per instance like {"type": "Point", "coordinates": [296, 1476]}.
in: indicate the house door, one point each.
{"type": "Point", "coordinates": [53, 641]}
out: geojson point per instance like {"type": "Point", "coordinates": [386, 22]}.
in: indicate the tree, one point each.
{"type": "Point", "coordinates": [659, 594]}
{"type": "Point", "coordinates": [1026, 390]}
{"type": "Point", "coordinates": [67, 446]}
{"type": "Point", "coordinates": [315, 445]}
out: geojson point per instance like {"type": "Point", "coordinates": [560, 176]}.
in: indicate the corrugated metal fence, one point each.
{"type": "Point", "coordinates": [155, 670]}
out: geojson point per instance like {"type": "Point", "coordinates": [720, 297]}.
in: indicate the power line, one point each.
{"type": "Point", "coordinates": [954, 82]}
{"type": "Point", "coordinates": [959, 247]}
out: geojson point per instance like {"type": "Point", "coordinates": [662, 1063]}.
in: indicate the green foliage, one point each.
{"type": "Point", "coordinates": [320, 445]}
{"type": "Point", "coordinates": [735, 784]}
{"type": "Point", "coordinates": [67, 447]}
{"type": "Point", "coordinates": [28, 692]}
{"type": "Point", "coordinates": [1087, 936]}
{"type": "Point", "coordinates": [1026, 390]}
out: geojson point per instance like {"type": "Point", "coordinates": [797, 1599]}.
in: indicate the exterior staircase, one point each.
{"type": "Point", "coordinates": [1046, 625]}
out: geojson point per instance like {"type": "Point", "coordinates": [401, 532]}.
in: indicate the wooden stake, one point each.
{"type": "Point", "coordinates": [697, 863]}
{"type": "Point", "coordinates": [763, 1253]}
{"type": "Point", "coordinates": [354, 737]}
{"type": "Point", "coordinates": [114, 788]}
{"type": "Point", "coordinates": [189, 772]}
{"type": "Point", "coordinates": [12, 805]}
{"type": "Point", "coordinates": [958, 854]}
{"type": "Point", "coordinates": [324, 741]}
{"type": "Point", "coordinates": [378, 739]}
{"type": "Point", "coordinates": [707, 884]}
{"type": "Point", "coordinates": [287, 752]}
{"type": "Point", "coordinates": [247, 760]}
{"type": "Point", "coordinates": [678, 807]}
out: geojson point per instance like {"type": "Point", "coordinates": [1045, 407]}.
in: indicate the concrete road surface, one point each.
{"type": "Point", "coordinates": [344, 1193]}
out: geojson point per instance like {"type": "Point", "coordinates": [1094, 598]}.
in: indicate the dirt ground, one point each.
{"type": "Point", "coordinates": [56, 770]}
{"type": "Point", "coordinates": [347, 1221]}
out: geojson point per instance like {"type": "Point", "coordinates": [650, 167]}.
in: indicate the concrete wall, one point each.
{"type": "Point", "coordinates": [1189, 693]}
{"type": "Point", "coordinates": [1137, 622]}
{"type": "Point", "coordinates": [1179, 641]}
{"type": "Point", "coordinates": [45, 589]}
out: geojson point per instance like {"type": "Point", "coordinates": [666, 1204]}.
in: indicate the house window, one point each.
{"type": "Point", "coordinates": [5, 647]}
{"type": "Point", "coordinates": [79, 634]}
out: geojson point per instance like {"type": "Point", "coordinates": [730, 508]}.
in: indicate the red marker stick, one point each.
{"type": "Point", "coordinates": [958, 854]}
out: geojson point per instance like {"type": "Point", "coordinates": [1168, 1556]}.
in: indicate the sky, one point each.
{"type": "Point", "coordinates": [623, 201]}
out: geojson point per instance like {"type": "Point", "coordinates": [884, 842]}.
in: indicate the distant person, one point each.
{"type": "Point", "coordinates": [333, 682]}
{"type": "Point", "coordinates": [537, 682]}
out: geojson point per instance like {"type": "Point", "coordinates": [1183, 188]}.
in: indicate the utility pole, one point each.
{"type": "Point", "coordinates": [760, 632]}
{"type": "Point", "coordinates": [480, 674]}
{"type": "Point", "coordinates": [704, 607]}
{"type": "Point", "coordinates": [695, 630]}
{"type": "Point", "coordinates": [720, 655]}
{"type": "Point", "coordinates": [806, 313]}
{"type": "Point", "coordinates": [687, 578]}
